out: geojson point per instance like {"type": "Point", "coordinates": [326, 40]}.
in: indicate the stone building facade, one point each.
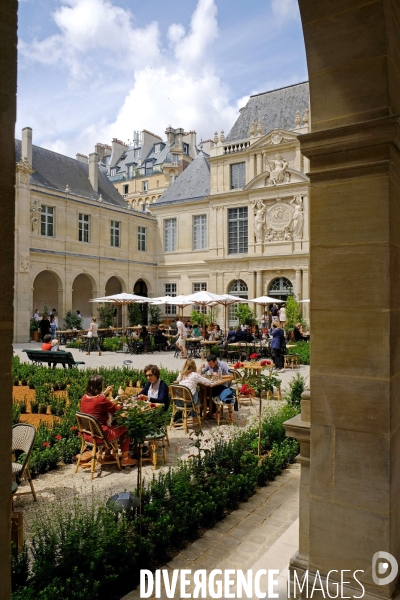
{"type": "Point", "coordinates": [238, 221]}
{"type": "Point", "coordinates": [75, 237]}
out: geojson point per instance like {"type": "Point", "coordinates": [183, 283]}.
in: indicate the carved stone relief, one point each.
{"type": "Point", "coordinates": [24, 168]}
{"type": "Point", "coordinates": [24, 263]}
{"type": "Point", "coordinates": [277, 170]}
{"type": "Point", "coordinates": [278, 220]}
{"type": "Point", "coordinates": [35, 214]}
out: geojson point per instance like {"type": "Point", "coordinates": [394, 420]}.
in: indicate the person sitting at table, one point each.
{"type": "Point", "coordinates": [255, 330]}
{"type": "Point", "coordinates": [264, 333]}
{"type": "Point", "coordinates": [47, 342]}
{"type": "Point", "coordinates": [160, 339]}
{"type": "Point", "coordinates": [217, 334]}
{"type": "Point", "coordinates": [95, 403]}
{"type": "Point", "coordinates": [214, 365]}
{"type": "Point", "coordinates": [189, 377]}
{"type": "Point", "coordinates": [93, 338]}
{"type": "Point", "coordinates": [196, 330]}
{"type": "Point", "coordinates": [298, 334]}
{"type": "Point", "coordinates": [155, 390]}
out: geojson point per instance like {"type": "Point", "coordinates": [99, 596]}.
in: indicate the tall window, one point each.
{"type": "Point", "coordinates": [200, 232]}
{"type": "Point", "coordinates": [236, 288]}
{"type": "Point", "coordinates": [142, 239]}
{"type": "Point", "coordinates": [238, 176]}
{"type": "Point", "coordinates": [237, 230]}
{"type": "Point", "coordinates": [145, 186]}
{"type": "Point", "coordinates": [84, 228]}
{"type": "Point", "coordinates": [47, 221]}
{"type": "Point", "coordinates": [170, 290]}
{"type": "Point", "coordinates": [170, 235]}
{"type": "Point", "coordinates": [125, 189]}
{"type": "Point", "coordinates": [115, 234]}
{"type": "Point", "coordinates": [199, 287]}
{"type": "Point", "coordinates": [175, 158]}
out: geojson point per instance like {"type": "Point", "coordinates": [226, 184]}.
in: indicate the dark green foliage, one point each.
{"type": "Point", "coordinates": [155, 314]}
{"type": "Point", "coordinates": [83, 551]}
{"type": "Point", "coordinates": [214, 350]}
{"type": "Point", "coordinates": [106, 315]}
{"type": "Point", "coordinates": [71, 320]}
{"type": "Point", "coordinates": [134, 314]}
{"type": "Point", "coordinates": [303, 349]}
{"type": "Point", "coordinates": [112, 344]}
{"type": "Point", "coordinates": [293, 392]}
{"type": "Point", "coordinates": [16, 412]}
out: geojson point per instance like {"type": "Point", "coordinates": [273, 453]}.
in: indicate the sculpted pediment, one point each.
{"type": "Point", "coordinates": [274, 138]}
{"type": "Point", "coordinates": [276, 176]}
{"type": "Point", "coordinates": [278, 220]}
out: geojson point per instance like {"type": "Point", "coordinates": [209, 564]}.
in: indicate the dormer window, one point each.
{"type": "Point", "coordinates": [186, 148]}
{"type": "Point", "coordinates": [158, 147]}
{"type": "Point", "coordinates": [113, 172]}
{"type": "Point", "coordinates": [175, 158]}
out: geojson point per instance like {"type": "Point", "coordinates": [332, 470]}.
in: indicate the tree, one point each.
{"type": "Point", "coordinates": [71, 320]}
{"type": "Point", "coordinates": [155, 314]}
{"type": "Point", "coordinates": [134, 314]}
{"type": "Point", "coordinates": [106, 315]}
{"type": "Point", "coordinates": [245, 315]}
{"type": "Point", "coordinates": [293, 313]}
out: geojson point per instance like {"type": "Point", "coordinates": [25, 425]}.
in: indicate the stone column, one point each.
{"type": "Point", "coordinates": [306, 211]}
{"type": "Point", "coordinates": [305, 295]}
{"type": "Point", "coordinates": [353, 55]}
{"type": "Point", "coordinates": [299, 428]}
{"type": "Point", "coordinates": [259, 163]}
{"type": "Point", "coordinates": [297, 285]}
{"type": "Point", "coordinates": [8, 66]}
{"type": "Point", "coordinates": [259, 290]}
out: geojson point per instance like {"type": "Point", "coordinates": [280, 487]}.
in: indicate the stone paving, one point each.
{"type": "Point", "coordinates": [261, 534]}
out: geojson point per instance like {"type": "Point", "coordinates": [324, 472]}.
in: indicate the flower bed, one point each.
{"type": "Point", "coordinates": [82, 551]}
{"type": "Point", "coordinates": [59, 392]}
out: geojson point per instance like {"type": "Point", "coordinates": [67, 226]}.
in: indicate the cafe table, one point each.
{"type": "Point", "coordinates": [207, 395]}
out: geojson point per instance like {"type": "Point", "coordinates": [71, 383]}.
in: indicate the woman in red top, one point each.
{"type": "Point", "coordinates": [95, 403]}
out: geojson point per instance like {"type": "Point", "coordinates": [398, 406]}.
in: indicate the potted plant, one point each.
{"type": "Point", "coordinates": [34, 329]}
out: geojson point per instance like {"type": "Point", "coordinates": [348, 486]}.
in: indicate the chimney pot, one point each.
{"type": "Point", "coordinates": [94, 171]}
{"type": "Point", "coordinates": [26, 149]}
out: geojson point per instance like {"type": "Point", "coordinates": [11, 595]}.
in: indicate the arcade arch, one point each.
{"type": "Point", "coordinates": [47, 290]}
{"type": "Point", "coordinates": [83, 290]}
{"type": "Point", "coordinates": [236, 288]}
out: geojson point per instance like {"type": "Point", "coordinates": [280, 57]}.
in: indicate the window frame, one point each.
{"type": "Point", "coordinates": [241, 176]}
{"type": "Point", "coordinates": [170, 289]}
{"type": "Point", "coordinates": [45, 222]}
{"type": "Point", "coordinates": [238, 226]}
{"type": "Point", "coordinates": [142, 239]}
{"type": "Point", "coordinates": [203, 234]}
{"type": "Point", "coordinates": [81, 228]}
{"type": "Point", "coordinates": [145, 185]}
{"type": "Point", "coordinates": [174, 234]}
{"type": "Point", "coordinates": [113, 233]}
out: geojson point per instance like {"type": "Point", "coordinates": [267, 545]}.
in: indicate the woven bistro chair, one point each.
{"type": "Point", "coordinates": [23, 438]}
{"type": "Point", "coordinates": [182, 394]}
{"type": "Point", "coordinates": [95, 439]}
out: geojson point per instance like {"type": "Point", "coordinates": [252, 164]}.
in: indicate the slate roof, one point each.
{"type": "Point", "coordinates": [192, 184]}
{"type": "Point", "coordinates": [275, 109]}
{"type": "Point", "coordinates": [55, 171]}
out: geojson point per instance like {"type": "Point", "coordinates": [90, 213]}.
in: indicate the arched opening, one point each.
{"type": "Point", "coordinates": [280, 288]}
{"type": "Point", "coordinates": [82, 292]}
{"type": "Point", "coordinates": [114, 286]}
{"type": "Point", "coordinates": [236, 288]}
{"type": "Point", "coordinates": [140, 289]}
{"type": "Point", "coordinates": [47, 293]}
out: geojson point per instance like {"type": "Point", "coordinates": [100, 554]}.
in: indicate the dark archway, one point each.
{"type": "Point", "coordinates": [140, 289]}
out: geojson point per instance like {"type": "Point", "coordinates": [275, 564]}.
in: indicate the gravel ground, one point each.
{"type": "Point", "coordinates": [63, 483]}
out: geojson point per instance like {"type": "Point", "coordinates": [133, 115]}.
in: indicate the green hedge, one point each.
{"type": "Point", "coordinates": [81, 551]}
{"type": "Point", "coordinates": [303, 349]}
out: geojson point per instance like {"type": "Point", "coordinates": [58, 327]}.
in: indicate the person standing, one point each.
{"type": "Point", "coordinates": [282, 315]}
{"type": "Point", "coordinates": [53, 325]}
{"type": "Point", "coordinates": [78, 314]}
{"type": "Point", "coordinates": [36, 315]}
{"type": "Point", "coordinates": [94, 336]}
{"type": "Point", "coordinates": [274, 312]}
{"type": "Point", "coordinates": [182, 335]}
{"type": "Point", "coordinates": [44, 326]}
{"type": "Point", "coordinates": [277, 343]}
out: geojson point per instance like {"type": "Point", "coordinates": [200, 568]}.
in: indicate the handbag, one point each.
{"type": "Point", "coordinates": [89, 334]}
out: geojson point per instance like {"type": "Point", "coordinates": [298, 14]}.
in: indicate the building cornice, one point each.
{"type": "Point", "coordinates": [77, 255]}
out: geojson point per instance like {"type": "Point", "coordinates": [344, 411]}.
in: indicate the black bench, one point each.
{"type": "Point", "coordinates": [56, 358]}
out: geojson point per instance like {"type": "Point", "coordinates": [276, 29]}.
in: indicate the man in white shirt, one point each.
{"type": "Point", "coordinates": [182, 335]}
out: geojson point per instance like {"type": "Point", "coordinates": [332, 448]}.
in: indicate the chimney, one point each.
{"type": "Point", "coordinates": [82, 158]}
{"type": "Point", "coordinates": [94, 171]}
{"type": "Point", "coordinates": [27, 144]}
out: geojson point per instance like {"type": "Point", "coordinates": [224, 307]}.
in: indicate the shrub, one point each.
{"type": "Point", "coordinates": [134, 314]}
{"type": "Point", "coordinates": [245, 315]}
{"type": "Point", "coordinates": [112, 344]}
{"type": "Point", "coordinates": [81, 550]}
{"type": "Point", "coordinates": [303, 349]}
{"type": "Point", "coordinates": [214, 350]}
{"type": "Point", "coordinates": [71, 320]}
{"type": "Point", "coordinates": [296, 386]}
{"type": "Point", "coordinates": [16, 412]}
{"type": "Point", "coordinates": [106, 315]}
{"type": "Point", "coordinates": [155, 314]}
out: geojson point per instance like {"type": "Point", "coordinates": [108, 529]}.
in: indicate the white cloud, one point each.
{"type": "Point", "coordinates": [285, 10]}
{"type": "Point", "coordinates": [178, 86]}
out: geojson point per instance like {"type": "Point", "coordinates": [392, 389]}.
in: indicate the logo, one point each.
{"type": "Point", "coordinates": [381, 561]}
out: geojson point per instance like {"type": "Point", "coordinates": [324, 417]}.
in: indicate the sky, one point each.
{"type": "Point", "coordinates": [93, 70]}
